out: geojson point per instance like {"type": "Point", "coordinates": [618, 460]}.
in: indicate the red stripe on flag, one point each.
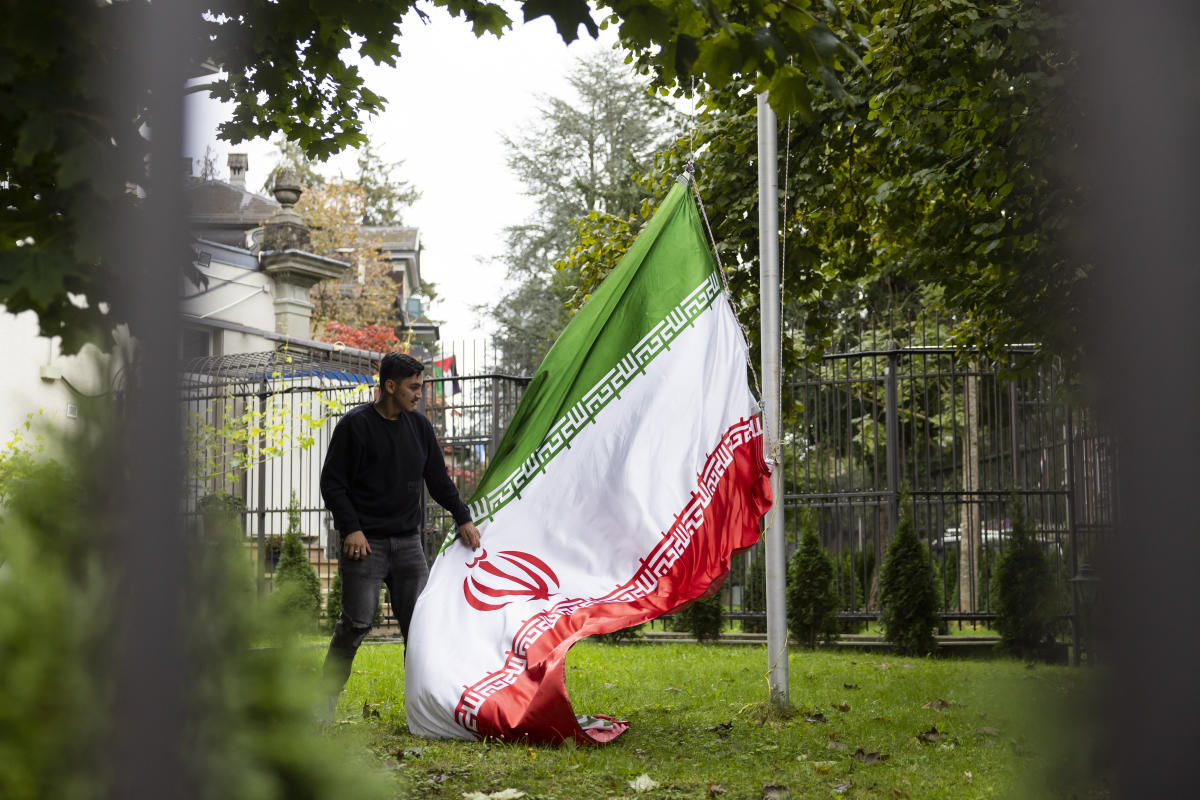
{"type": "Point", "coordinates": [527, 698]}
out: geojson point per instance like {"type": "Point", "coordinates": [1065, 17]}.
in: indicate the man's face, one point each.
{"type": "Point", "coordinates": [408, 391]}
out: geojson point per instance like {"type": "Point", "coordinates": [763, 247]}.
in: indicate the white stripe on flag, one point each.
{"type": "Point", "coordinates": [592, 518]}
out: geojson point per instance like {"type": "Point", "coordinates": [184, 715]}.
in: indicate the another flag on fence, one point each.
{"type": "Point", "coordinates": [443, 367]}
{"type": "Point", "coordinates": [632, 470]}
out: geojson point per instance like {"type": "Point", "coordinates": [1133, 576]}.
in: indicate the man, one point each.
{"type": "Point", "coordinates": [379, 456]}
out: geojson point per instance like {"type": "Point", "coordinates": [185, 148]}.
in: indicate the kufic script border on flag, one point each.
{"type": "Point", "coordinates": [656, 564]}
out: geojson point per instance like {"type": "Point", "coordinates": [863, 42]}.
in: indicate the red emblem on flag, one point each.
{"type": "Point", "coordinates": [510, 574]}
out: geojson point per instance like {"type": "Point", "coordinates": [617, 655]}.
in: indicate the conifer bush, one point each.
{"type": "Point", "coordinates": [1027, 609]}
{"type": "Point", "coordinates": [702, 618]}
{"type": "Point", "coordinates": [333, 601]}
{"type": "Point", "coordinates": [907, 596]}
{"type": "Point", "coordinates": [333, 604]}
{"type": "Point", "coordinates": [297, 592]}
{"type": "Point", "coordinates": [811, 600]}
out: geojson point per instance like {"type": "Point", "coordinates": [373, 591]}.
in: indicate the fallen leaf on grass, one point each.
{"type": "Point", "coordinates": [715, 789]}
{"type": "Point", "coordinates": [987, 731]}
{"type": "Point", "coordinates": [823, 767]}
{"type": "Point", "coordinates": [865, 757]}
{"type": "Point", "coordinates": [930, 736]}
{"type": "Point", "coordinates": [722, 729]}
{"type": "Point", "coordinates": [410, 752]}
{"type": "Point", "coordinates": [842, 788]}
{"type": "Point", "coordinates": [968, 776]}
{"type": "Point", "coordinates": [836, 746]}
{"type": "Point", "coordinates": [643, 783]}
{"type": "Point", "coordinates": [816, 717]}
{"type": "Point", "coordinates": [850, 685]}
{"type": "Point", "coordinates": [882, 719]}
{"type": "Point", "coordinates": [884, 665]}
{"type": "Point", "coordinates": [776, 791]}
{"type": "Point", "coordinates": [672, 689]}
{"type": "Point", "coordinates": [530, 754]}
{"type": "Point", "coordinates": [843, 707]}
{"type": "Point", "coordinates": [937, 705]}
{"type": "Point", "coordinates": [897, 793]}
{"type": "Point", "coordinates": [608, 685]}
{"type": "Point", "coordinates": [369, 712]}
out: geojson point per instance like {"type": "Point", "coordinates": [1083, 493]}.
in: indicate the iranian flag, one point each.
{"type": "Point", "coordinates": [631, 472]}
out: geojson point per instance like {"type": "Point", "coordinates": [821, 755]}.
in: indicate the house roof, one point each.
{"type": "Point", "coordinates": [395, 237]}
{"type": "Point", "coordinates": [226, 204]}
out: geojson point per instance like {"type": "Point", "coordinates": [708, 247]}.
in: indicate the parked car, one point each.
{"type": "Point", "coordinates": [993, 537]}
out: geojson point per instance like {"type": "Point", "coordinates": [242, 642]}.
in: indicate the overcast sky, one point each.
{"type": "Point", "coordinates": [450, 101]}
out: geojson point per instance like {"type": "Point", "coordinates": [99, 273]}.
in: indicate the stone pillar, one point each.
{"type": "Point", "coordinates": [285, 258]}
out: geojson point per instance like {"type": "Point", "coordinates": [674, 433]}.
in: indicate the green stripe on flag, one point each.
{"type": "Point", "coordinates": [662, 283]}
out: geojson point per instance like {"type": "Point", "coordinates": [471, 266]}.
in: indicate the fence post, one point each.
{"type": "Point", "coordinates": [1072, 536]}
{"type": "Point", "coordinates": [892, 422]}
{"type": "Point", "coordinates": [494, 439]}
{"type": "Point", "coordinates": [261, 466]}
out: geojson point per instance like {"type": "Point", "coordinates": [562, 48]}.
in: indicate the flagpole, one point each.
{"type": "Point", "coordinates": [768, 273]}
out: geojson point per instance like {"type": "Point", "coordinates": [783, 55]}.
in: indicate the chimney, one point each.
{"type": "Point", "coordinates": [238, 164]}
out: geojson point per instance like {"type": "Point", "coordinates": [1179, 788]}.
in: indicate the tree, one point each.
{"type": "Point", "coordinates": [578, 158]}
{"type": "Point", "coordinates": [811, 601]}
{"type": "Point", "coordinates": [907, 597]}
{"type": "Point", "coordinates": [386, 195]}
{"type": "Point", "coordinates": [367, 296]}
{"type": "Point", "coordinates": [337, 211]}
{"type": "Point", "coordinates": [927, 181]}
{"type": "Point", "coordinates": [297, 589]}
{"type": "Point", "coordinates": [703, 618]}
{"type": "Point", "coordinates": [1027, 612]}
{"type": "Point", "coordinates": [73, 128]}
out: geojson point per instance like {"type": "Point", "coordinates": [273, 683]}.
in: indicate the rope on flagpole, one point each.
{"type": "Point", "coordinates": [690, 176]}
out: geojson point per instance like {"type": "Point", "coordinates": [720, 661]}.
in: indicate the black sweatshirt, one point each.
{"type": "Point", "coordinates": [374, 469]}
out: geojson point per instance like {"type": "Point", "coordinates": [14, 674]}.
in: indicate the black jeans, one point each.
{"type": "Point", "coordinates": [398, 561]}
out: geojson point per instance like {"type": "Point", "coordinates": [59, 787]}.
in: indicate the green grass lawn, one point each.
{"type": "Point", "coordinates": [867, 726]}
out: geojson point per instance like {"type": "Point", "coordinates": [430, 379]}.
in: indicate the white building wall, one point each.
{"type": "Point", "coordinates": [40, 380]}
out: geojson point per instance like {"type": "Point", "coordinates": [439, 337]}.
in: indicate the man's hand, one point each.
{"type": "Point", "coordinates": [356, 547]}
{"type": "Point", "coordinates": [469, 534]}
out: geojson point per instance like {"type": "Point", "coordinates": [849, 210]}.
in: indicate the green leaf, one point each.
{"type": "Point", "coordinates": [568, 15]}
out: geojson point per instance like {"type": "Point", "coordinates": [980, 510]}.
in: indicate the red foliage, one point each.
{"type": "Point", "coordinates": [376, 338]}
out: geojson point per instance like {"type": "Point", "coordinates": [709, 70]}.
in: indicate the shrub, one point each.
{"type": "Point", "coordinates": [907, 597]}
{"type": "Point", "coordinates": [333, 601]}
{"type": "Point", "coordinates": [1026, 607]}
{"type": "Point", "coordinates": [56, 621]}
{"type": "Point", "coordinates": [702, 618]}
{"type": "Point", "coordinates": [623, 635]}
{"type": "Point", "coordinates": [250, 732]}
{"type": "Point", "coordinates": [297, 594]}
{"type": "Point", "coordinates": [333, 604]}
{"type": "Point", "coordinates": [811, 601]}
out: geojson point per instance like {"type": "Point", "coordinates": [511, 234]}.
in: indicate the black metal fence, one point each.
{"type": "Point", "coordinates": [974, 442]}
{"type": "Point", "coordinates": [257, 426]}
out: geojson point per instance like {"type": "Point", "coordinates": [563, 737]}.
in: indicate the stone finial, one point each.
{"type": "Point", "coordinates": [287, 188]}
{"type": "Point", "coordinates": [286, 230]}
